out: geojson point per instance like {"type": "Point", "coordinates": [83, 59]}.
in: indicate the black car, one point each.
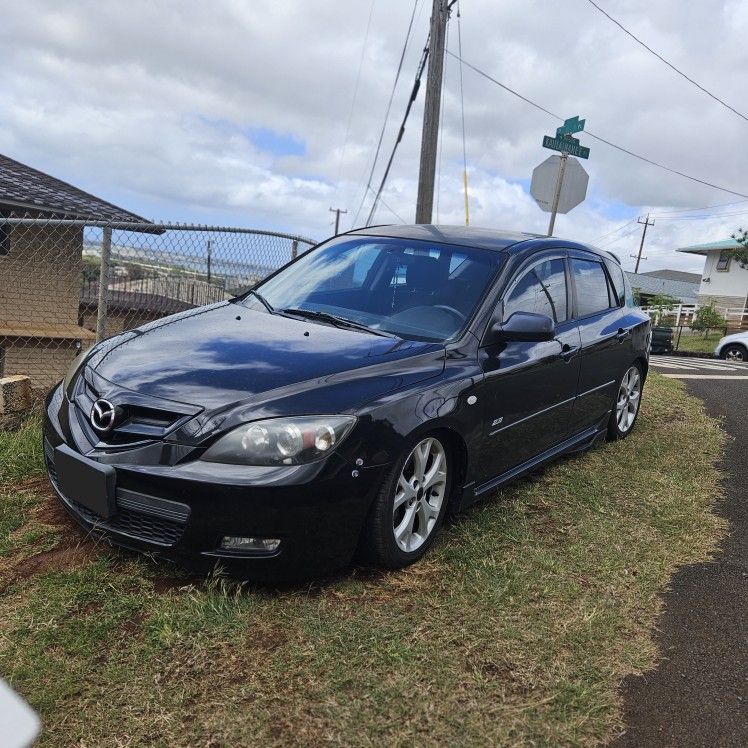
{"type": "Point", "coordinates": [349, 401]}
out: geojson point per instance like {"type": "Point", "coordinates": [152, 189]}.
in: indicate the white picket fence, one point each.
{"type": "Point", "coordinates": [736, 317]}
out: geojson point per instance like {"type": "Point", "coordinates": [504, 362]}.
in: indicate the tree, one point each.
{"type": "Point", "coordinates": [708, 318]}
{"type": "Point", "coordinates": [661, 303]}
{"type": "Point", "coordinates": [741, 253]}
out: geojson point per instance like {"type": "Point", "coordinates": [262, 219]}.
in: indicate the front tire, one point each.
{"type": "Point", "coordinates": [735, 352]}
{"type": "Point", "coordinates": [627, 402]}
{"type": "Point", "coordinates": [411, 504]}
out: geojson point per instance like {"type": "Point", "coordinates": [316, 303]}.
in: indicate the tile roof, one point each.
{"type": "Point", "coordinates": [674, 275]}
{"type": "Point", "coordinates": [24, 188]}
{"type": "Point", "coordinates": [686, 293]}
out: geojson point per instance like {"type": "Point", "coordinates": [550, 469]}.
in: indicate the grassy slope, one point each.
{"type": "Point", "coordinates": [516, 629]}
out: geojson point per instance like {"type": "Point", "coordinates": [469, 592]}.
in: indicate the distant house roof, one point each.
{"type": "Point", "coordinates": [25, 189]}
{"type": "Point", "coordinates": [675, 275]}
{"type": "Point", "coordinates": [132, 301]}
{"type": "Point", "coordinates": [650, 285]}
{"type": "Point", "coordinates": [703, 249]}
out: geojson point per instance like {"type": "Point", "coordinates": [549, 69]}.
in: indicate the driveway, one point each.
{"type": "Point", "coordinates": [698, 694]}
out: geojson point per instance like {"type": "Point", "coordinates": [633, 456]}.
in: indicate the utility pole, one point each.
{"type": "Point", "coordinates": [430, 135]}
{"type": "Point", "coordinates": [646, 222]}
{"type": "Point", "coordinates": [337, 212]}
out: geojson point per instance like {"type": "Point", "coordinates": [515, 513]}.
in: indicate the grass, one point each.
{"type": "Point", "coordinates": [516, 629]}
{"type": "Point", "coordinates": [695, 342]}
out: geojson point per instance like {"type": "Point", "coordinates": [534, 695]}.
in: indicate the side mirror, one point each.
{"type": "Point", "coordinates": [524, 327]}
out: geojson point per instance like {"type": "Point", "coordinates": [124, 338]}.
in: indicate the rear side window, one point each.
{"type": "Point", "coordinates": [619, 283]}
{"type": "Point", "coordinates": [541, 290]}
{"type": "Point", "coordinates": [591, 285]}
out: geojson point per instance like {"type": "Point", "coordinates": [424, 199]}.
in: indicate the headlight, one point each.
{"type": "Point", "coordinates": [75, 367]}
{"type": "Point", "coordinates": [281, 441]}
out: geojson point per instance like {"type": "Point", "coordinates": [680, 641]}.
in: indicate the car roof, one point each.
{"type": "Point", "coordinates": [470, 236]}
{"type": "Point", "coordinates": [473, 236]}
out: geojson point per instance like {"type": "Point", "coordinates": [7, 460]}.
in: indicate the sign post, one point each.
{"type": "Point", "coordinates": [567, 145]}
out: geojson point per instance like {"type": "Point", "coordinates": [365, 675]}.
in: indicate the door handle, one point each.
{"type": "Point", "coordinates": [568, 351]}
{"type": "Point", "coordinates": [622, 334]}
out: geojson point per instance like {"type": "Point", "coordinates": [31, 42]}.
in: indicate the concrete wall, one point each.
{"type": "Point", "coordinates": [39, 301]}
{"type": "Point", "coordinates": [40, 277]}
{"type": "Point", "coordinates": [44, 361]}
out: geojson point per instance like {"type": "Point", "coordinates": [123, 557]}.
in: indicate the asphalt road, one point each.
{"type": "Point", "coordinates": [698, 694]}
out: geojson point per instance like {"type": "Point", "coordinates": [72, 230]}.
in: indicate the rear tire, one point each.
{"type": "Point", "coordinates": [409, 509]}
{"type": "Point", "coordinates": [734, 352]}
{"type": "Point", "coordinates": [627, 403]}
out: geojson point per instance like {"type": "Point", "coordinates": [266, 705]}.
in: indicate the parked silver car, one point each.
{"type": "Point", "coordinates": [733, 347]}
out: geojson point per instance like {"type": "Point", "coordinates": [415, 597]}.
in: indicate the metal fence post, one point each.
{"type": "Point", "coordinates": [294, 249]}
{"type": "Point", "coordinates": [106, 253]}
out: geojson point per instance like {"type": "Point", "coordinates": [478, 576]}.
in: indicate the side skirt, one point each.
{"type": "Point", "coordinates": [576, 443]}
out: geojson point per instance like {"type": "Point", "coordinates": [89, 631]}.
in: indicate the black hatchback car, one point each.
{"type": "Point", "coordinates": [349, 401]}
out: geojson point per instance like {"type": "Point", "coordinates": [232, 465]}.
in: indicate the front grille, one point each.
{"type": "Point", "coordinates": [143, 517]}
{"type": "Point", "coordinates": [138, 422]}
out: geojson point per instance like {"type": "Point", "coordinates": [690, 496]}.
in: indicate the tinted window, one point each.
{"type": "Point", "coordinates": [619, 284]}
{"type": "Point", "coordinates": [541, 290]}
{"type": "Point", "coordinates": [414, 289]}
{"type": "Point", "coordinates": [591, 285]}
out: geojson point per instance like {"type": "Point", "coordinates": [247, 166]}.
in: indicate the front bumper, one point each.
{"type": "Point", "coordinates": [181, 512]}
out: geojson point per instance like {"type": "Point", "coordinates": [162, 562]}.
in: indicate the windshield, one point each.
{"type": "Point", "coordinates": [413, 289]}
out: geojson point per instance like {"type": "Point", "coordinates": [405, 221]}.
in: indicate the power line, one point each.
{"type": "Point", "coordinates": [614, 231]}
{"type": "Point", "coordinates": [355, 96]}
{"type": "Point", "coordinates": [401, 131]}
{"type": "Point", "coordinates": [613, 241]}
{"type": "Point", "coordinates": [597, 137]}
{"type": "Point", "coordinates": [387, 112]}
{"type": "Point", "coordinates": [696, 210]}
{"type": "Point", "coordinates": [701, 218]}
{"type": "Point", "coordinates": [669, 64]}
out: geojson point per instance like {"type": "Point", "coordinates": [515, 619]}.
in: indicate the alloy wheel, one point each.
{"type": "Point", "coordinates": [629, 395]}
{"type": "Point", "coordinates": [419, 494]}
{"type": "Point", "coordinates": [734, 354]}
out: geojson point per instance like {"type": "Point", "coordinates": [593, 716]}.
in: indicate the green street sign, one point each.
{"type": "Point", "coordinates": [570, 126]}
{"type": "Point", "coordinates": [566, 145]}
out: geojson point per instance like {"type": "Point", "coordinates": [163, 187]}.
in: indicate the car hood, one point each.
{"type": "Point", "coordinates": [218, 356]}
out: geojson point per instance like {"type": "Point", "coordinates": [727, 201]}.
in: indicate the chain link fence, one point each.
{"type": "Point", "coordinates": [64, 283]}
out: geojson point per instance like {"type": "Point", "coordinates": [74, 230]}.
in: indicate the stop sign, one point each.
{"type": "Point", "coordinates": [573, 188]}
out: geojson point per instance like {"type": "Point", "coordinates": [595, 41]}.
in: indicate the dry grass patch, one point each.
{"type": "Point", "coordinates": [516, 629]}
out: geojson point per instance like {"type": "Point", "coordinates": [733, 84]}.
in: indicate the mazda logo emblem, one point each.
{"type": "Point", "coordinates": [103, 415]}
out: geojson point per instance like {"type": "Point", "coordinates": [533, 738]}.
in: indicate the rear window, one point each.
{"type": "Point", "coordinates": [591, 286]}
{"type": "Point", "coordinates": [619, 283]}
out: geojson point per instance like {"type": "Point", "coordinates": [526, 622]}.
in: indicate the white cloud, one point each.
{"type": "Point", "coordinates": [149, 104]}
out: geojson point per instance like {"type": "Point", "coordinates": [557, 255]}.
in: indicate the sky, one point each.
{"type": "Point", "coordinates": [266, 113]}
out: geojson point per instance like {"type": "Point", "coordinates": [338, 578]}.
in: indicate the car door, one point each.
{"type": "Point", "coordinates": [529, 388]}
{"type": "Point", "coordinates": [606, 338]}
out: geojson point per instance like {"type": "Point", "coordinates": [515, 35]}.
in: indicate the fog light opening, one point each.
{"type": "Point", "coordinates": [249, 545]}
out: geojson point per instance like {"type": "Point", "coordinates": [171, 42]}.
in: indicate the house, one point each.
{"type": "Point", "coordinates": [723, 280]}
{"type": "Point", "coordinates": [125, 309]}
{"type": "Point", "coordinates": [40, 270]}
{"type": "Point", "coordinates": [665, 283]}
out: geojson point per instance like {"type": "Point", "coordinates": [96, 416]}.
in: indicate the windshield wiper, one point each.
{"type": "Point", "coordinates": [261, 299]}
{"type": "Point", "coordinates": [333, 319]}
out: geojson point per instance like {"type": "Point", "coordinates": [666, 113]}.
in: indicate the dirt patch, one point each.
{"type": "Point", "coordinates": [164, 585]}
{"type": "Point", "coordinates": [58, 559]}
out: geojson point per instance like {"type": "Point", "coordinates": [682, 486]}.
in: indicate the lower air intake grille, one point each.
{"type": "Point", "coordinates": [134, 524]}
